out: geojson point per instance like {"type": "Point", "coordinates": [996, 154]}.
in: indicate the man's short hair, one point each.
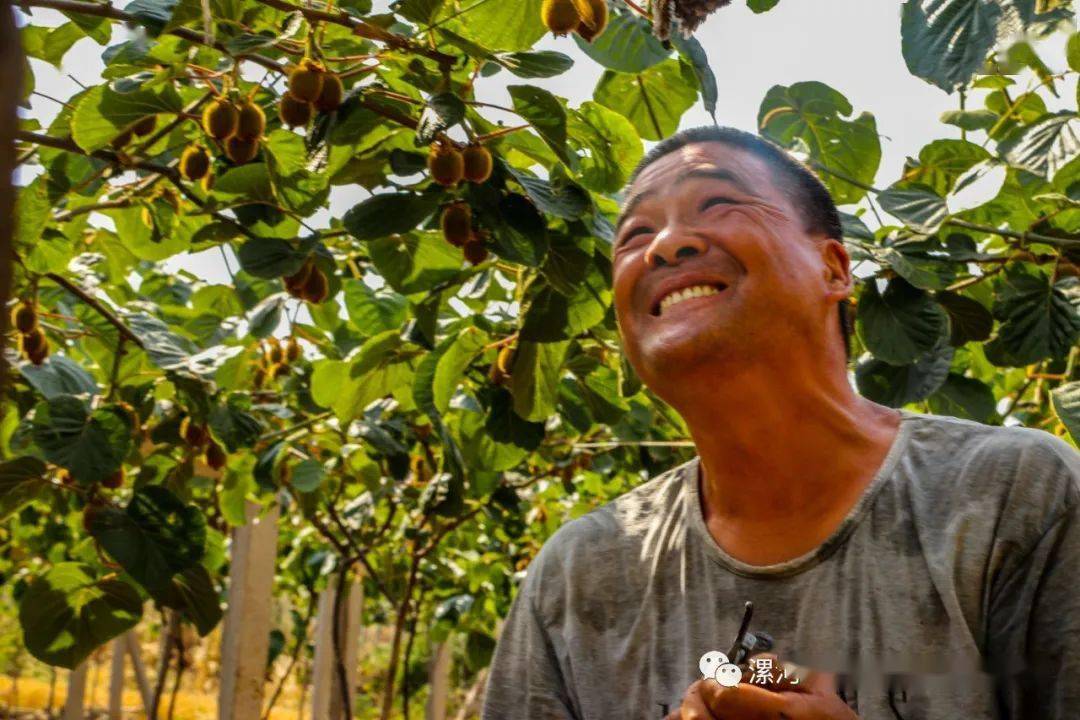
{"type": "Point", "coordinates": [809, 195]}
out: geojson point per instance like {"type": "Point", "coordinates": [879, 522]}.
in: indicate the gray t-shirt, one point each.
{"type": "Point", "coordinates": [951, 590]}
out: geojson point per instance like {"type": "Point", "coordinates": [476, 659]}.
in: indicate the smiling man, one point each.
{"type": "Point", "coordinates": [910, 566]}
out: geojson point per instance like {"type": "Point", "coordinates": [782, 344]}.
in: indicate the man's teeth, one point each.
{"type": "Point", "coordinates": [686, 294]}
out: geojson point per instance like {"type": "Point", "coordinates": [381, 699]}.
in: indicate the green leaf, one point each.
{"type": "Point", "coordinates": [540, 64]}
{"type": "Point", "coordinates": [374, 311]}
{"type": "Point", "coordinates": [970, 119]}
{"type": "Point", "coordinates": [969, 319]}
{"type": "Point", "coordinates": [534, 382]}
{"type": "Point", "coordinates": [900, 325]}
{"type": "Point", "coordinates": [154, 538]}
{"type": "Point", "coordinates": [389, 214]}
{"type": "Point", "coordinates": [21, 481]}
{"type": "Point", "coordinates": [233, 424]}
{"type": "Point", "coordinates": [152, 14]}
{"type": "Point", "coordinates": [612, 146]}
{"type": "Point", "coordinates": [1072, 52]}
{"type": "Point", "coordinates": [760, 6]}
{"type": "Point", "coordinates": [809, 116]}
{"type": "Point", "coordinates": [270, 258]}
{"type": "Point", "coordinates": [308, 476]}
{"type": "Point", "coordinates": [59, 375]}
{"type": "Point", "coordinates": [482, 451]}
{"type": "Point", "coordinates": [1066, 401]}
{"type": "Point", "coordinates": [451, 367]}
{"type": "Point", "coordinates": [918, 207]}
{"type": "Point", "coordinates": [560, 197]}
{"type": "Point", "coordinates": [548, 315]}
{"type": "Point", "coordinates": [1038, 319]}
{"type": "Point", "coordinates": [943, 162]}
{"type": "Point", "coordinates": [626, 45]}
{"type": "Point", "coordinates": [493, 24]}
{"type": "Point", "coordinates": [545, 113]}
{"type": "Point", "coordinates": [192, 592]}
{"type": "Point", "coordinates": [1045, 147]}
{"type": "Point", "coordinates": [66, 613]}
{"type": "Point", "coordinates": [416, 262]}
{"type": "Point", "coordinates": [653, 100]}
{"type": "Point", "coordinates": [898, 385]}
{"type": "Point", "coordinates": [441, 112]}
{"type": "Point", "coordinates": [964, 397]}
{"type": "Point", "coordinates": [347, 387]}
{"type": "Point", "coordinates": [692, 51]}
{"type": "Point", "coordinates": [90, 445]}
{"type": "Point", "coordinates": [946, 41]}
{"type": "Point", "coordinates": [103, 113]}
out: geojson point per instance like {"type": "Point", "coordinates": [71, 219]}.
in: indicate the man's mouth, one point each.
{"type": "Point", "coordinates": [686, 293]}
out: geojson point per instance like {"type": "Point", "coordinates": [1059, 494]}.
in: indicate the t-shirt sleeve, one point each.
{"type": "Point", "coordinates": [1033, 624]}
{"type": "Point", "coordinates": [525, 680]}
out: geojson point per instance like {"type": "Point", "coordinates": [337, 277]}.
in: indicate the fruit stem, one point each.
{"type": "Point", "coordinates": [637, 8]}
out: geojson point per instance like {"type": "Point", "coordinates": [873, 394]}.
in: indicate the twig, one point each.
{"type": "Point", "coordinates": [101, 310]}
{"type": "Point", "coordinates": [335, 630]}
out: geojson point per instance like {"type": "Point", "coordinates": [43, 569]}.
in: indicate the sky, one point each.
{"type": "Point", "coordinates": [851, 45]}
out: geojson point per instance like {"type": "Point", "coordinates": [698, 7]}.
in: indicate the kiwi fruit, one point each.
{"type": "Point", "coordinates": [33, 341]}
{"type": "Point", "coordinates": [446, 164]}
{"type": "Point", "coordinates": [456, 222]}
{"type": "Point", "coordinates": [475, 251]}
{"type": "Point", "coordinates": [251, 122]}
{"type": "Point", "coordinates": [294, 283]}
{"type": "Point", "coordinates": [39, 355]}
{"type": "Point", "coordinates": [293, 350]}
{"type": "Point", "coordinates": [215, 457]}
{"type": "Point", "coordinates": [306, 80]}
{"type": "Point", "coordinates": [194, 162]}
{"type": "Point", "coordinates": [114, 481]}
{"type": "Point", "coordinates": [560, 16]}
{"type": "Point", "coordinates": [478, 163]}
{"type": "Point", "coordinates": [193, 434]}
{"type": "Point", "coordinates": [316, 287]}
{"type": "Point", "coordinates": [24, 318]}
{"type": "Point", "coordinates": [330, 94]}
{"type": "Point", "coordinates": [275, 354]}
{"type": "Point", "coordinates": [144, 127]}
{"type": "Point", "coordinates": [259, 378]}
{"type": "Point", "coordinates": [594, 22]}
{"type": "Point", "coordinates": [293, 112]}
{"type": "Point", "coordinates": [220, 119]}
{"type": "Point", "coordinates": [90, 515]}
{"type": "Point", "coordinates": [279, 370]}
{"type": "Point", "coordinates": [241, 150]}
{"type": "Point", "coordinates": [505, 360]}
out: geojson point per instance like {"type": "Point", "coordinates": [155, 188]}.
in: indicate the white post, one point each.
{"type": "Point", "coordinates": [326, 701]}
{"type": "Point", "coordinates": [438, 682]}
{"type": "Point", "coordinates": [140, 669]}
{"type": "Point", "coordinates": [245, 640]}
{"type": "Point", "coordinates": [116, 678]}
{"type": "Point", "coordinates": [76, 693]}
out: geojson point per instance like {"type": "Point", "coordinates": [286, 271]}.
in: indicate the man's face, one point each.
{"type": "Point", "coordinates": [710, 217]}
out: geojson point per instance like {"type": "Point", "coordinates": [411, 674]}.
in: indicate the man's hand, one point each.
{"type": "Point", "coordinates": [813, 697]}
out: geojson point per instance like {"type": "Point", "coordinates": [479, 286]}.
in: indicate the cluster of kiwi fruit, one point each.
{"type": "Point", "coordinates": [587, 18]}
{"type": "Point", "coordinates": [274, 360]}
{"type": "Point", "coordinates": [237, 126]}
{"type": "Point", "coordinates": [308, 283]}
{"type": "Point", "coordinates": [197, 437]}
{"type": "Point", "coordinates": [33, 344]}
{"type": "Point", "coordinates": [139, 128]}
{"type": "Point", "coordinates": [311, 88]}
{"type": "Point", "coordinates": [448, 166]}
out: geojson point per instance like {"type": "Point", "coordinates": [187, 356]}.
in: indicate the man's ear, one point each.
{"type": "Point", "coordinates": [837, 269]}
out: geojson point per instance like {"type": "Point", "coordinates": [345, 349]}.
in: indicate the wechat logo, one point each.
{"type": "Point", "coordinates": [714, 665]}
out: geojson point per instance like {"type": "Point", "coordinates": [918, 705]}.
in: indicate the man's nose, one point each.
{"type": "Point", "coordinates": [671, 246]}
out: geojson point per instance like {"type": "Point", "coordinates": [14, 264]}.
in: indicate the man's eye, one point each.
{"type": "Point", "coordinates": [642, 230]}
{"type": "Point", "coordinates": [716, 201]}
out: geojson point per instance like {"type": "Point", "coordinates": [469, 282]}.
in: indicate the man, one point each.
{"type": "Point", "coordinates": [906, 565]}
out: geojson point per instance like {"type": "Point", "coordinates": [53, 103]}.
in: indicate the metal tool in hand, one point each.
{"type": "Point", "coordinates": [748, 643]}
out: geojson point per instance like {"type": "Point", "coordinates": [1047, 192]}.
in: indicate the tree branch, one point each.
{"type": "Point", "coordinates": [94, 303]}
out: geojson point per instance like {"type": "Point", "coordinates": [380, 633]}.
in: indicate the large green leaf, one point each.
{"type": "Point", "coordinates": [653, 100]}
{"type": "Point", "coordinates": [452, 364]}
{"type": "Point", "coordinates": [898, 385]}
{"type": "Point", "coordinates": [21, 481]}
{"type": "Point", "coordinates": [103, 113]}
{"type": "Point", "coordinates": [545, 113]}
{"type": "Point", "coordinates": [943, 162]}
{"type": "Point", "coordinates": [59, 375]}
{"type": "Point", "coordinates": [416, 262]}
{"type": "Point", "coordinates": [809, 116]}
{"type": "Point", "coordinates": [441, 111]}
{"type": "Point", "coordinates": [1045, 147]}
{"type": "Point", "coordinates": [389, 214]}
{"type": "Point", "coordinates": [494, 24]}
{"type": "Point", "coordinates": [534, 381]}
{"type": "Point", "coordinates": [541, 64]}
{"type": "Point", "coordinates": [91, 445]}
{"type": "Point", "coordinates": [918, 207]}
{"type": "Point", "coordinates": [901, 324]}
{"type": "Point", "coordinates": [1038, 319]}
{"type": "Point", "coordinates": [1066, 401]}
{"type": "Point", "coordinates": [192, 592]}
{"type": "Point", "coordinates": [374, 311]}
{"type": "Point", "coordinates": [153, 538]}
{"type": "Point", "coordinates": [626, 45]}
{"type": "Point", "coordinates": [945, 41]}
{"type": "Point", "coordinates": [347, 387]}
{"type": "Point", "coordinates": [67, 613]}
{"type": "Point", "coordinates": [964, 397]}
{"type": "Point", "coordinates": [612, 146]}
